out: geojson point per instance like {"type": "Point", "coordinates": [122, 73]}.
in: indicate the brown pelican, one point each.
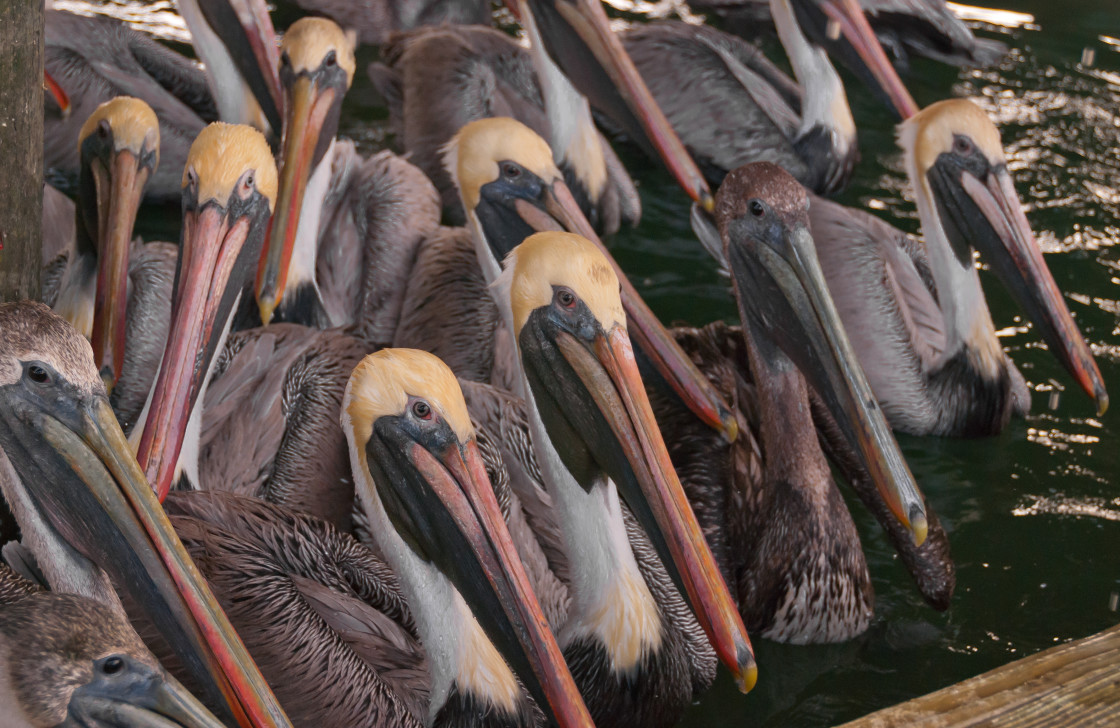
{"type": "Point", "coordinates": [598, 447]}
{"type": "Point", "coordinates": [95, 59]}
{"type": "Point", "coordinates": [89, 283]}
{"type": "Point", "coordinates": [926, 338]}
{"type": "Point", "coordinates": [70, 660]}
{"type": "Point", "coordinates": [83, 505]}
{"type": "Point", "coordinates": [436, 80]}
{"type": "Point", "coordinates": [746, 110]}
{"type": "Point", "coordinates": [346, 229]}
{"type": "Point", "coordinates": [925, 27]}
{"type": "Point", "coordinates": [510, 187]}
{"type": "Point", "coordinates": [229, 187]}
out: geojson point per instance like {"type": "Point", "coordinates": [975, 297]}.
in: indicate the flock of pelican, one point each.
{"type": "Point", "coordinates": [392, 440]}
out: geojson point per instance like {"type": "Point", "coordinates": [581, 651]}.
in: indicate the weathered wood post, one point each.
{"type": "Point", "coordinates": [21, 147]}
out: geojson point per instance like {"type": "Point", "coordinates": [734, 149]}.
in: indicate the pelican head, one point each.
{"type": "Point", "coordinates": [119, 150]}
{"type": "Point", "coordinates": [316, 69]}
{"type": "Point", "coordinates": [421, 477]}
{"type": "Point", "coordinates": [579, 40]}
{"type": "Point", "coordinates": [967, 201]}
{"type": "Point", "coordinates": [570, 326]}
{"type": "Point", "coordinates": [81, 491]}
{"type": "Point", "coordinates": [762, 214]}
{"type": "Point", "coordinates": [229, 187]}
{"type": "Point", "coordinates": [73, 661]}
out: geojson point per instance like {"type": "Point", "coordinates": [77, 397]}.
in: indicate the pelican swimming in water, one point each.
{"type": "Point", "coordinates": [915, 312]}
{"type": "Point", "coordinates": [67, 659]}
{"type": "Point", "coordinates": [94, 60]}
{"type": "Point", "coordinates": [112, 289]}
{"type": "Point", "coordinates": [88, 516]}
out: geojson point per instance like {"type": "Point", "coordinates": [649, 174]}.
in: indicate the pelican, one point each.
{"type": "Point", "coordinates": [66, 659]}
{"type": "Point", "coordinates": [510, 187]}
{"type": "Point", "coordinates": [745, 109]}
{"type": "Point", "coordinates": [925, 337]}
{"type": "Point", "coordinates": [95, 59]}
{"type": "Point", "coordinates": [598, 447]}
{"type": "Point", "coordinates": [102, 270]}
{"type": "Point", "coordinates": [435, 80]}
{"type": "Point", "coordinates": [346, 229]}
{"type": "Point", "coordinates": [88, 516]}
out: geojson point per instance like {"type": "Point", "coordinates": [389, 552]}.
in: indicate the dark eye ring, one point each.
{"type": "Point", "coordinates": [249, 181]}
{"type": "Point", "coordinates": [422, 409]}
{"type": "Point", "coordinates": [112, 665]}
{"type": "Point", "coordinates": [962, 145]}
{"type": "Point", "coordinates": [511, 170]}
{"type": "Point", "coordinates": [331, 59]}
{"type": "Point", "coordinates": [757, 208]}
{"type": "Point", "coordinates": [103, 129]}
{"type": "Point", "coordinates": [38, 374]}
{"type": "Point", "coordinates": [566, 298]}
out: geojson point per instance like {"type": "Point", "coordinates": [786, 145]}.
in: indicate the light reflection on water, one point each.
{"type": "Point", "coordinates": [1064, 506]}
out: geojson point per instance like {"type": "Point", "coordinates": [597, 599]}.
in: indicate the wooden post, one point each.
{"type": "Point", "coordinates": [21, 148]}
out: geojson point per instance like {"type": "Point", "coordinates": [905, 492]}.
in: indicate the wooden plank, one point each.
{"type": "Point", "coordinates": [1075, 684]}
{"type": "Point", "coordinates": [21, 147]}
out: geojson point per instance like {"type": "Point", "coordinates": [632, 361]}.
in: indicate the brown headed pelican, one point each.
{"type": "Point", "coordinates": [102, 270]}
{"type": "Point", "coordinates": [746, 110]}
{"type": "Point", "coordinates": [436, 80]}
{"type": "Point", "coordinates": [633, 544]}
{"type": "Point", "coordinates": [346, 229]}
{"type": "Point", "coordinates": [88, 516]}
{"type": "Point", "coordinates": [95, 59]}
{"type": "Point", "coordinates": [70, 660]}
{"type": "Point", "coordinates": [916, 313]}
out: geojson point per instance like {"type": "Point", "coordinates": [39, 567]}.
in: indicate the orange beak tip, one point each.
{"type": "Point", "coordinates": [707, 202]}
{"type": "Point", "coordinates": [748, 678]}
{"type": "Point", "coordinates": [1102, 401]}
{"type": "Point", "coordinates": [730, 427]}
{"type": "Point", "coordinates": [267, 307]}
{"type": "Point", "coordinates": [919, 526]}
{"type": "Point", "coordinates": [107, 378]}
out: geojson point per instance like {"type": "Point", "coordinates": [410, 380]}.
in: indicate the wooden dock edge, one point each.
{"type": "Point", "coordinates": [1075, 684]}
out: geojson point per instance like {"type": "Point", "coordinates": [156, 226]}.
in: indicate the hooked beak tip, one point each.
{"type": "Point", "coordinates": [707, 202]}
{"type": "Point", "coordinates": [267, 307]}
{"type": "Point", "coordinates": [748, 677]}
{"type": "Point", "coordinates": [730, 427]}
{"type": "Point", "coordinates": [107, 377]}
{"type": "Point", "coordinates": [1102, 401]}
{"type": "Point", "coordinates": [919, 526]}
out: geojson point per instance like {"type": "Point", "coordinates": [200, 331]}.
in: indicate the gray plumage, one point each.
{"type": "Point", "coordinates": [436, 80]}
{"type": "Point", "coordinates": [96, 59]}
{"type": "Point", "coordinates": [375, 20]}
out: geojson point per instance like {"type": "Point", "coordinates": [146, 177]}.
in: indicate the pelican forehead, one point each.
{"type": "Point", "coordinates": [134, 124]}
{"type": "Point", "coordinates": [31, 331]}
{"type": "Point", "coordinates": [383, 382]}
{"type": "Point", "coordinates": [550, 259]}
{"type": "Point", "coordinates": [473, 154]}
{"type": "Point", "coordinates": [308, 42]}
{"type": "Point", "coordinates": [222, 153]}
{"type": "Point", "coordinates": [930, 133]}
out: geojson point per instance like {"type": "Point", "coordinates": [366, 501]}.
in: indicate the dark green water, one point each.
{"type": "Point", "coordinates": [1033, 516]}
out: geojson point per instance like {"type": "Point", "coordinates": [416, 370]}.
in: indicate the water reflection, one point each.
{"type": "Point", "coordinates": [1108, 510]}
{"type": "Point", "coordinates": [157, 17]}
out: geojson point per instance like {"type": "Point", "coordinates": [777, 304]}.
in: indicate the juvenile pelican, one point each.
{"type": "Point", "coordinates": [92, 281]}
{"type": "Point", "coordinates": [88, 516]}
{"type": "Point", "coordinates": [70, 660]}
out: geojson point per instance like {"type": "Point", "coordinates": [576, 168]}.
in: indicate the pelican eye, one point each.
{"type": "Point", "coordinates": [962, 145]}
{"type": "Point", "coordinates": [38, 374]}
{"type": "Point", "coordinates": [112, 665]}
{"type": "Point", "coordinates": [757, 208]}
{"type": "Point", "coordinates": [248, 180]}
{"type": "Point", "coordinates": [285, 59]}
{"type": "Point", "coordinates": [103, 129]}
{"type": "Point", "coordinates": [422, 409]}
{"type": "Point", "coordinates": [565, 298]}
{"type": "Point", "coordinates": [331, 59]}
{"type": "Point", "coordinates": [510, 170]}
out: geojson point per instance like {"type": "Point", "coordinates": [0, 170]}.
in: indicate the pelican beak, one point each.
{"type": "Point", "coordinates": [848, 17]}
{"type": "Point", "coordinates": [245, 29]}
{"type": "Point", "coordinates": [579, 39]}
{"type": "Point", "coordinates": [782, 293]}
{"type": "Point", "coordinates": [651, 336]}
{"type": "Point", "coordinates": [440, 497]}
{"type": "Point", "coordinates": [310, 107]}
{"type": "Point", "coordinates": [214, 241]}
{"type": "Point", "coordinates": [984, 211]}
{"type": "Point", "coordinates": [120, 190]}
{"type": "Point", "coordinates": [587, 384]}
{"type": "Point", "coordinates": [144, 697]}
{"type": "Point", "coordinates": [72, 457]}
{"type": "Point", "coordinates": [57, 93]}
